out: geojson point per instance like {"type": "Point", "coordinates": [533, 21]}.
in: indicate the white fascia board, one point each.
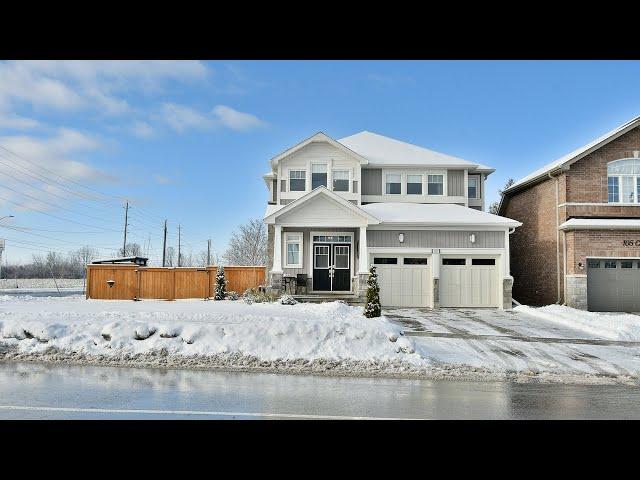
{"type": "Point", "coordinates": [444, 226]}
{"type": "Point", "coordinates": [576, 225]}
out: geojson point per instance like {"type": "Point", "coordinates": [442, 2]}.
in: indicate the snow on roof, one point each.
{"type": "Point", "coordinates": [381, 150]}
{"type": "Point", "coordinates": [598, 142]}
{"type": "Point", "coordinates": [435, 214]}
{"type": "Point", "coordinates": [601, 223]}
{"type": "Point", "coordinates": [272, 209]}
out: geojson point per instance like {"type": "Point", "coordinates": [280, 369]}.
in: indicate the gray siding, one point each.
{"type": "Point", "coordinates": [434, 239]}
{"type": "Point", "coordinates": [371, 181]}
{"type": "Point", "coordinates": [455, 183]}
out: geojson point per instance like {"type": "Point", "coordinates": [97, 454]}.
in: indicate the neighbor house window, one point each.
{"type": "Point", "coordinates": [340, 180]}
{"type": "Point", "coordinates": [393, 185]}
{"type": "Point", "coordinates": [623, 181]}
{"type": "Point", "coordinates": [318, 176]}
{"type": "Point", "coordinates": [473, 187]}
{"type": "Point", "coordinates": [297, 180]}
{"type": "Point", "coordinates": [414, 184]}
{"type": "Point", "coordinates": [293, 245]}
{"type": "Point", "coordinates": [435, 184]}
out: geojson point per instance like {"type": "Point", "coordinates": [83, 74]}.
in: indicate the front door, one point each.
{"type": "Point", "coordinates": [331, 268]}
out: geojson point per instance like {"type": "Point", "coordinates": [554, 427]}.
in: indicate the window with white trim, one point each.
{"type": "Point", "coordinates": [414, 184]}
{"type": "Point", "coordinates": [293, 249]}
{"type": "Point", "coordinates": [318, 175]}
{"type": "Point", "coordinates": [435, 184]}
{"type": "Point", "coordinates": [340, 180]}
{"type": "Point", "coordinates": [623, 181]}
{"type": "Point", "coordinates": [472, 190]}
{"type": "Point", "coordinates": [297, 179]}
{"type": "Point", "coordinates": [393, 184]}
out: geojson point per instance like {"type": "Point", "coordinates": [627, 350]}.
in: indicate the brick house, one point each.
{"type": "Point", "coordinates": [580, 239]}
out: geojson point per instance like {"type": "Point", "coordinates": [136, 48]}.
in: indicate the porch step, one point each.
{"type": "Point", "coordinates": [349, 299]}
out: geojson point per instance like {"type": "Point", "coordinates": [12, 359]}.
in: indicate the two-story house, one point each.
{"type": "Point", "coordinates": [337, 206]}
{"type": "Point", "coordinates": [580, 240]}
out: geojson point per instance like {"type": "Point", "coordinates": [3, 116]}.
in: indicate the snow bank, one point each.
{"type": "Point", "coordinates": [612, 326]}
{"type": "Point", "coordinates": [196, 329]}
{"type": "Point", "coordinates": [10, 283]}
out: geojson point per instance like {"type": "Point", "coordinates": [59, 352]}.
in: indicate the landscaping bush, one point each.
{"type": "Point", "coordinates": [232, 295]}
{"type": "Point", "coordinates": [372, 308]}
{"type": "Point", "coordinates": [287, 300]}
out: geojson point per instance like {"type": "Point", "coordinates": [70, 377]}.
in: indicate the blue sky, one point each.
{"type": "Point", "coordinates": [189, 141]}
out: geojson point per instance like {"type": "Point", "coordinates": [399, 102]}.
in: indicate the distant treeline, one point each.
{"type": "Point", "coordinates": [71, 265]}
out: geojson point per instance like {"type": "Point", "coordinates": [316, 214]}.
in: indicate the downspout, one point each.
{"type": "Point", "coordinates": [559, 296]}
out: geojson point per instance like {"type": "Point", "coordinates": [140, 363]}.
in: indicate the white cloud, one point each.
{"type": "Point", "coordinates": [182, 118]}
{"type": "Point", "coordinates": [161, 179]}
{"type": "Point", "coordinates": [142, 130]}
{"type": "Point", "coordinates": [16, 122]}
{"type": "Point", "coordinates": [74, 84]}
{"type": "Point", "coordinates": [230, 118]}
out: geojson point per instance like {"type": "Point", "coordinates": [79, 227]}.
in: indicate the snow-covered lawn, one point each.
{"type": "Point", "coordinates": [613, 326]}
{"type": "Point", "coordinates": [227, 333]}
{"type": "Point", "coordinates": [33, 283]}
{"type": "Point", "coordinates": [546, 344]}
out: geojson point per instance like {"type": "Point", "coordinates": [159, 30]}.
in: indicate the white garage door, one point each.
{"type": "Point", "coordinates": [404, 281]}
{"type": "Point", "coordinates": [468, 282]}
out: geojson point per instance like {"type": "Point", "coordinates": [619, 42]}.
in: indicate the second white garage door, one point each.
{"type": "Point", "coordinates": [404, 281]}
{"type": "Point", "coordinates": [468, 282]}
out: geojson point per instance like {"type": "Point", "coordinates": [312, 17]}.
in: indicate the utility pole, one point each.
{"type": "Point", "coordinates": [208, 252]}
{"type": "Point", "coordinates": [178, 245]}
{"type": "Point", "coordinates": [126, 219]}
{"type": "Point", "coordinates": [164, 245]}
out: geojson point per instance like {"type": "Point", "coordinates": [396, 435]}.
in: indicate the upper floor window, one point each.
{"type": "Point", "coordinates": [472, 190]}
{"type": "Point", "coordinates": [623, 181]}
{"type": "Point", "coordinates": [414, 184]}
{"type": "Point", "coordinates": [318, 175]}
{"type": "Point", "coordinates": [435, 184]}
{"type": "Point", "coordinates": [297, 180]}
{"type": "Point", "coordinates": [340, 180]}
{"type": "Point", "coordinates": [393, 183]}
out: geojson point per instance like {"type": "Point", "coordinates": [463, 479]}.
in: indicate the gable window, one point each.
{"type": "Point", "coordinates": [414, 184]}
{"type": "Point", "coordinates": [297, 180]}
{"type": "Point", "coordinates": [393, 184]}
{"type": "Point", "coordinates": [435, 184]}
{"type": "Point", "coordinates": [318, 175]}
{"type": "Point", "coordinates": [340, 180]}
{"type": "Point", "coordinates": [472, 190]}
{"type": "Point", "coordinates": [623, 181]}
{"type": "Point", "coordinates": [293, 246]}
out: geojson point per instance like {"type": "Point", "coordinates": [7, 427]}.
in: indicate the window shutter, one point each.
{"type": "Point", "coordinates": [283, 185]}
{"type": "Point", "coordinates": [355, 186]}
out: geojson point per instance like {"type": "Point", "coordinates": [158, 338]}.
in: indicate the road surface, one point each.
{"type": "Point", "coordinates": [37, 391]}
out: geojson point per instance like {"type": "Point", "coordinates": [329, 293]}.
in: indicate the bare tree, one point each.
{"type": "Point", "coordinates": [495, 206]}
{"type": "Point", "coordinates": [132, 250]}
{"type": "Point", "coordinates": [170, 256]}
{"type": "Point", "coordinates": [249, 245]}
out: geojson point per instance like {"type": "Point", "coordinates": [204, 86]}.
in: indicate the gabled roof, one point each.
{"type": "Point", "coordinates": [436, 214]}
{"type": "Point", "coordinates": [271, 212]}
{"type": "Point", "coordinates": [572, 157]}
{"type": "Point", "coordinates": [381, 150]}
{"type": "Point", "coordinates": [318, 137]}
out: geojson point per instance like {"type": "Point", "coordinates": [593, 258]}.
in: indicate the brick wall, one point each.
{"type": "Point", "coordinates": [598, 243]}
{"type": "Point", "coordinates": [533, 245]}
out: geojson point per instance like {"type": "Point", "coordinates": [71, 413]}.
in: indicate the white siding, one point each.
{"type": "Point", "coordinates": [321, 211]}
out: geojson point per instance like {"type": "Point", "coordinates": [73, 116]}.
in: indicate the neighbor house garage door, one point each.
{"type": "Point", "coordinates": [404, 281]}
{"type": "Point", "coordinates": [468, 282]}
{"type": "Point", "coordinates": [613, 285]}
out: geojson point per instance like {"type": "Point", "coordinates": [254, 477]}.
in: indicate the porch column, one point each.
{"type": "Point", "coordinates": [363, 257]}
{"type": "Point", "coordinates": [277, 249]}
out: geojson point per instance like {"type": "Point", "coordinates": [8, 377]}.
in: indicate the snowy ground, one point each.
{"type": "Point", "coordinates": [332, 339]}
{"type": "Point", "coordinates": [33, 283]}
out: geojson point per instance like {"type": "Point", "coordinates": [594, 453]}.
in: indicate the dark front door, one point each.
{"type": "Point", "coordinates": [331, 268]}
{"type": "Point", "coordinates": [341, 268]}
{"type": "Point", "coordinates": [321, 267]}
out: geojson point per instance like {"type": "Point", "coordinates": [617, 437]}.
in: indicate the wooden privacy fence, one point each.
{"type": "Point", "coordinates": [128, 282]}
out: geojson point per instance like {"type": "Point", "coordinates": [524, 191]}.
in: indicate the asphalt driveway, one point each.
{"type": "Point", "coordinates": [513, 341]}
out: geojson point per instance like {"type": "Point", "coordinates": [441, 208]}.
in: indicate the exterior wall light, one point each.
{"type": "Point", "coordinates": [472, 238]}
{"type": "Point", "coordinates": [401, 237]}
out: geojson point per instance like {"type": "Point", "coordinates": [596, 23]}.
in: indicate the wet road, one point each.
{"type": "Point", "coordinates": [33, 391]}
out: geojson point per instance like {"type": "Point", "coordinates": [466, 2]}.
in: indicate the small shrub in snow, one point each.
{"type": "Point", "coordinates": [372, 308]}
{"type": "Point", "coordinates": [287, 300]}
{"type": "Point", "coordinates": [221, 284]}
{"type": "Point", "coordinates": [143, 332]}
{"type": "Point", "coordinates": [232, 295]}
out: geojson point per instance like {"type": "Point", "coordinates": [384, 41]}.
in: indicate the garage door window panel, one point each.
{"type": "Point", "coordinates": [385, 261]}
{"type": "Point", "coordinates": [454, 261]}
{"type": "Point", "coordinates": [414, 261]}
{"type": "Point", "coordinates": [483, 261]}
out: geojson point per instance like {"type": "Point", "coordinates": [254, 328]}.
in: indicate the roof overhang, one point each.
{"type": "Point", "coordinates": [318, 137]}
{"type": "Point", "coordinates": [600, 224]}
{"type": "Point", "coordinates": [370, 219]}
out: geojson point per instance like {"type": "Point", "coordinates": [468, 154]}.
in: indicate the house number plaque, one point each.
{"type": "Point", "coordinates": [631, 243]}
